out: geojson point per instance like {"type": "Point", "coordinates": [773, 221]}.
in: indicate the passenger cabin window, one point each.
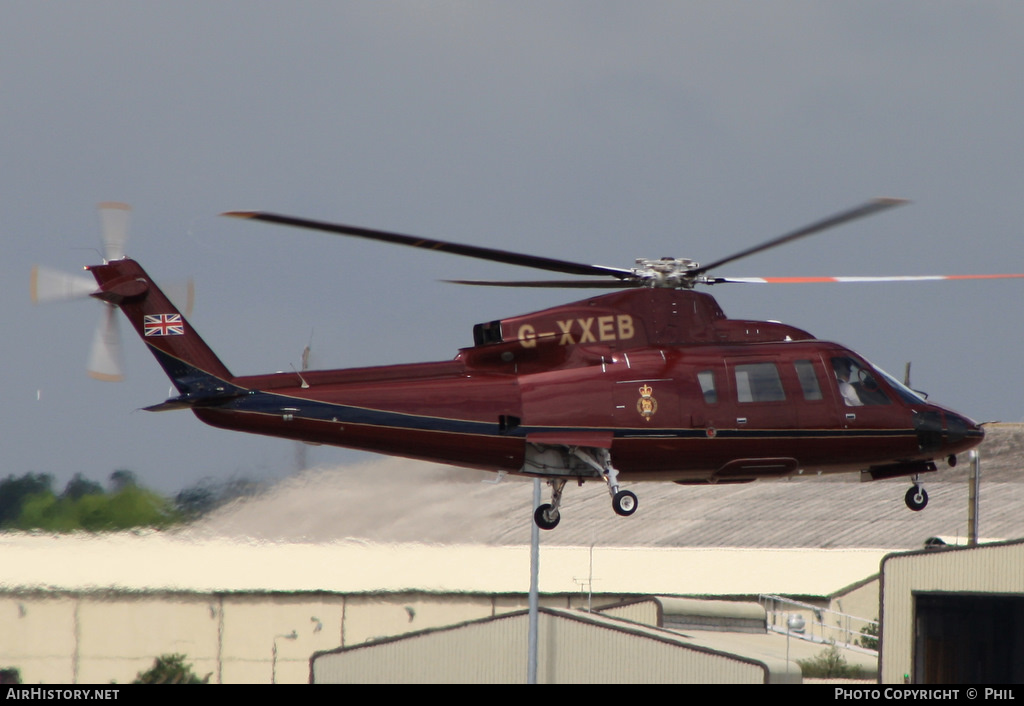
{"type": "Point", "coordinates": [706, 378]}
{"type": "Point", "coordinates": [808, 380]}
{"type": "Point", "coordinates": [857, 386]}
{"type": "Point", "coordinates": [758, 382]}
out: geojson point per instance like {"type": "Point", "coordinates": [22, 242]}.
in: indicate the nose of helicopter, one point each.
{"type": "Point", "coordinates": [944, 430]}
{"type": "Point", "coordinates": [960, 428]}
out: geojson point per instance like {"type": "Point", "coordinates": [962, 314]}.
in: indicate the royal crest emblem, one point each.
{"type": "Point", "coordinates": [646, 405]}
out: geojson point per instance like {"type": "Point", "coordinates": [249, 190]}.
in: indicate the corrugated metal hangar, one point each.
{"type": "Point", "coordinates": [81, 609]}
{"type": "Point", "coordinates": [954, 616]}
{"type": "Point", "coordinates": [87, 609]}
{"type": "Point", "coordinates": [574, 647]}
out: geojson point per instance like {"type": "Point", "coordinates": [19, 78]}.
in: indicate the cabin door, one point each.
{"type": "Point", "coordinates": [759, 399]}
{"type": "Point", "coordinates": [644, 394]}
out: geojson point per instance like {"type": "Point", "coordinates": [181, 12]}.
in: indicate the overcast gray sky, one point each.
{"type": "Point", "coordinates": [584, 130]}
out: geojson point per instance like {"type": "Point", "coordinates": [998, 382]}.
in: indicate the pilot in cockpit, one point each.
{"type": "Point", "coordinates": [842, 367]}
{"type": "Point", "coordinates": [857, 384]}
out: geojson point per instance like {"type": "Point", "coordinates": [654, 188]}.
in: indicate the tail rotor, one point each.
{"type": "Point", "coordinates": [105, 362]}
{"type": "Point", "coordinates": [50, 285]}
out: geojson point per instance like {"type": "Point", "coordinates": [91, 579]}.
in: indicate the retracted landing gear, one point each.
{"type": "Point", "coordinates": [917, 497]}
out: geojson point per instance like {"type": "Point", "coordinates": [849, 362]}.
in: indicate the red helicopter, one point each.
{"type": "Point", "coordinates": [650, 383]}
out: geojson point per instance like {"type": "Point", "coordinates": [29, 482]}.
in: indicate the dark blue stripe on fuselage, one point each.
{"type": "Point", "coordinates": [265, 403]}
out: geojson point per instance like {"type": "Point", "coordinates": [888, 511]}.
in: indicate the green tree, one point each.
{"type": "Point", "coordinates": [830, 664]}
{"type": "Point", "coordinates": [133, 506]}
{"type": "Point", "coordinates": [207, 495]}
{"type": "Point", "coordinates": [170, 669]}
{"type": "Point", "coordinates": [869, 636]}
{"type": "Point", "coordinates": [122, 478]}
{"type": "Point", "coordinates": [195, 501]}
{"type": "Point", "coordinates": [46, 511]}
{"type": "Point", "coordinates": [85, 506]}
{"type": "Point", "coordinates": [14, 491]}
{"type": "Point", "coordinates": [79, 486]}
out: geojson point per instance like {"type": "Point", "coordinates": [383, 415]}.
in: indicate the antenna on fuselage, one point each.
{"type": "Point", "coordinates": [301, 457]}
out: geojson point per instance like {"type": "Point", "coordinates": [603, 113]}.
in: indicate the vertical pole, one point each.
{"type": "Point", "coordinates": [531, 665]}
{"type": "Point", "coordinates": [77, 630]}
{"type": "Point", "coordinates": [787, 643]}
{"type": "Point", "coordinates": [273, 663]}
{"type": "Point", "coordinates": [973, 499]}
{"type": "Point", "coordinates": [590, 582]}
{"type": "Point", "coordinates": [220, 638]}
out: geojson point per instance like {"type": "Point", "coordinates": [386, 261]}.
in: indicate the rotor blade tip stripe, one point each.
{"type": "Point", "coordinates": [105, 377]}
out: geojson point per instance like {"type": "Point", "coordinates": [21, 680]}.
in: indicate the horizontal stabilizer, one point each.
{"type": "Point", "coordinates": [188, 401]}
{"type": "Point", "coordinates": [170, 405]}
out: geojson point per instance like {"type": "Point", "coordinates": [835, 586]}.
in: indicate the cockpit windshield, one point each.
{"type": "Point", "coordinates": [857, 385]}
{"type": "Point", "coordinates": [906, 394]}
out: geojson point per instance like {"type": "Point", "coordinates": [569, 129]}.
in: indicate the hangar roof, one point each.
{"type": "Point", "coordinates": [577, 655]}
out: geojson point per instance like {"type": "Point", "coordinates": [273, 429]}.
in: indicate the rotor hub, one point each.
{"type": "Point", "coordinates": [668, 272]}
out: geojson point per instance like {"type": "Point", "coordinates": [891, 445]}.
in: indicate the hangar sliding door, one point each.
{"type": "Point", "coordinates": [968, 639]}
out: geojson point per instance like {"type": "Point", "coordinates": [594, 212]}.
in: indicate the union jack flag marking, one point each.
{"type": "Point", "coordinates": [163, 325]}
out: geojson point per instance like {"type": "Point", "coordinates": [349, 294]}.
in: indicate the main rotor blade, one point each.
{"type": "Point", "coordinates": [884, 278]}
{"type": "Point", "coordinates": [182, 295]}
{"type": "Point", "coordinates": [867, 209]}
{"type": "Point", "coordinates": [553, 284]}
{"type": "Point", "coordinates": [114, 219]}
{"type": "Point", "coordinates": [503, 256]}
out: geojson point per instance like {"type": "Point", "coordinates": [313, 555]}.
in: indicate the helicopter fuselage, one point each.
{"type": "Point", "coordinates": [659, 378]}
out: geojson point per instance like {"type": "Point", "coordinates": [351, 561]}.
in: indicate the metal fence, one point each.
{"type": "Point", "coordinates": [813, 623]}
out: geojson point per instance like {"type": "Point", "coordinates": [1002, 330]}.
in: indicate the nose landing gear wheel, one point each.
{"type": "Point", "coordinates": [624, 503]}
{"type": "Point", "coordinates": [546, 517]}
{"type": "Point", "coordinates": [916, 498]}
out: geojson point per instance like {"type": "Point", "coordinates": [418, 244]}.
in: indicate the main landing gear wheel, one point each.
{"type": "Point", "coordinates": [916, 498]}
{"type": "Point", "coordinates": [624, 503]}
{"type": "Point", "coordinates": [546, 517]}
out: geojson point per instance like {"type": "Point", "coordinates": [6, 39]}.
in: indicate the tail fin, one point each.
{"type": "Point", "coordinates": [191, 365]}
